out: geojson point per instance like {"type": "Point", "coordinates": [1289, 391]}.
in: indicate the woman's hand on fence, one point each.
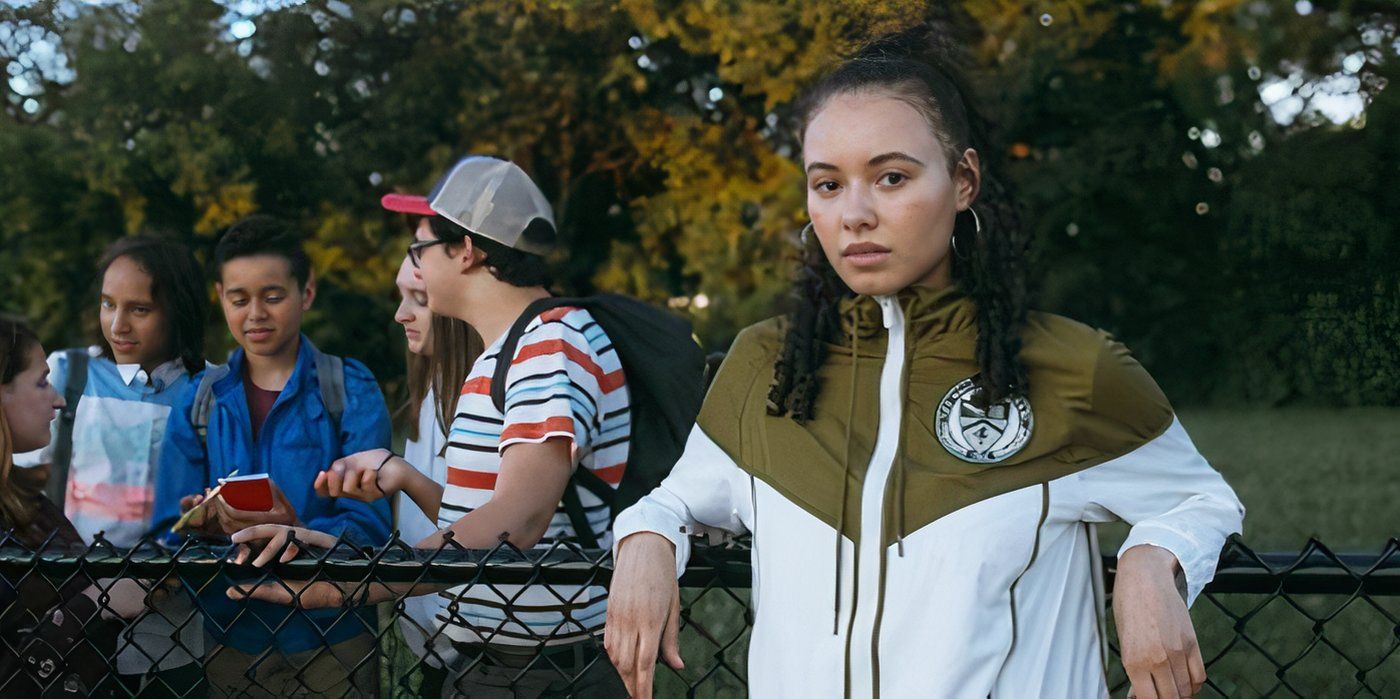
{"type": "Point", "coordinates": [366, 476]}
{"type": "Point", "coordinates": [1157, 642]}
{"type": "Point", "coordinates": [643, 611]}
{"type": "Point", "coordinates": [275, 541]}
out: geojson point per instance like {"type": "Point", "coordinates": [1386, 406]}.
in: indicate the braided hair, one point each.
{"type": "Point", "coordinates": [920, 67]}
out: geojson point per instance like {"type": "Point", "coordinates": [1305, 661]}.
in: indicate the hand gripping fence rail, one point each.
{"type": "Point", "coordinates": [103, 621]}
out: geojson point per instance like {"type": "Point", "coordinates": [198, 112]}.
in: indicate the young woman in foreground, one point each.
{"type": "Point", "coordinates": [915, 454]}
{"type": "Point", "coordinates": [54, 636]}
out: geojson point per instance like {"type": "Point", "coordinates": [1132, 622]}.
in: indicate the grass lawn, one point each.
{"type": "Point", "coordinates": [1329, 473]}
{"type": "Point", "coordinates": [1305, 472]}
{"type": "Point", "coordinates": [1301, 472]}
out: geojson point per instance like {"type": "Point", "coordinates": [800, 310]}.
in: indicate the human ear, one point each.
{"type": "Point", "coordinates": [466, 256]}
{"type": "Point", "coordinates": [967, 178]}
{"type": "Point", "coordinates": [308, 292]}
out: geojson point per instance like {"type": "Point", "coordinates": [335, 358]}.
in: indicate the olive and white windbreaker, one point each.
{"type": "Point", "coordinates": [963, 566]}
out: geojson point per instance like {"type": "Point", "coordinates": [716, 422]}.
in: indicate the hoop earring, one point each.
{"type": "Point", "coordinates": [806, 235]}
{"type": "Point", "coordinates": [977, 230]}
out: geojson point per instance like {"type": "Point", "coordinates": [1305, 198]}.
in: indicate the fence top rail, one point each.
{"type": "Point", "coordinates": [1313, 569]}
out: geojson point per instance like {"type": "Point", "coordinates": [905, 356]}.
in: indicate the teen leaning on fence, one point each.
{"type": "Point", "coordinates": [106, 443]}
{"type": "Point", "coordinates": [546, 431]}
{"type": "Point", "coordinates": [283, 408]}
{"type": "Point", "coordinates": [915, 454]}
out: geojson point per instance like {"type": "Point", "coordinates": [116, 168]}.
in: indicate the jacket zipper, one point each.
{"type": "Point", "coordinates": [871, 550]}
{"type": "Point", "coordinates": [753, 531]}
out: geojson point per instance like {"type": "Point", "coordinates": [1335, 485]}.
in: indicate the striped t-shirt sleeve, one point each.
{"type": "Point", "coordinates": [561, 382]}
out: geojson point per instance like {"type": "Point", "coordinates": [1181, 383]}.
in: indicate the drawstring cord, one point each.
{"type": "Point", "coordinates": [899, 473]}
{"type": "Point", "coordinates": [899, 505]}
{"type": "Point", "coordinates": [845, 474]}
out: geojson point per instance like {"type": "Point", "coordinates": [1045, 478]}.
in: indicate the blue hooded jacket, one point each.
{"type": "Point", "coordinates": [296, 442]}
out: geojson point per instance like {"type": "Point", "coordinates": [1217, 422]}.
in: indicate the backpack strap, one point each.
{"type": "Point", "coordinates": [203, 405]}
{"type": "Point", "coordinates": [573, 507]}
{"type": "Point", "coordinates": [330, 376]}
{"type": "Point", "coordinates": [76, 380]}
{"type": "Point", "coordinates": [512, 341]}
{"type": "Point", "coordinates": [578, 519]}
{"type": "Point", "coordinates": [593, 484]}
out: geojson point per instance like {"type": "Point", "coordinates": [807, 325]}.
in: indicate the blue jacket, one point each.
{"type": "Point", "coordinates": [296, 442]}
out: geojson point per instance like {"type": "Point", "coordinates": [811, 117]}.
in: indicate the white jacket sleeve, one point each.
{"type": "Point", "coordinates": [706, 489]}
{"type": "Point", "coordinates": [1172, 498]}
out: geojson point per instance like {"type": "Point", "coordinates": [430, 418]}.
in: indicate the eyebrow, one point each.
{"type": "Point", "coordinates": [876, 161]}
{"type": "Point", "coordinates": [883, 158]}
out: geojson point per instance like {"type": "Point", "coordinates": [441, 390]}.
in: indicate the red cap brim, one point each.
{"type": "Point", "coordinates": [407, 204]}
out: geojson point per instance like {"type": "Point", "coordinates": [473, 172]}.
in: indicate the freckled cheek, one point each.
{"type": "Point", "coordinates": [924, 220]}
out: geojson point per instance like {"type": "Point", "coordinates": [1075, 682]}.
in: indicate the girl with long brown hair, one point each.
{"type": "Point", "coordinates": [51, 635]}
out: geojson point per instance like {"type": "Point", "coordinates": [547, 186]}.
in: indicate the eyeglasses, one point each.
{"type": "Point", "coordinates": [415, 250]}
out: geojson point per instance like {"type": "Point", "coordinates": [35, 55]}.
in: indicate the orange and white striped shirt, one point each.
{"type": "Point", "coordinates": [565, 381]}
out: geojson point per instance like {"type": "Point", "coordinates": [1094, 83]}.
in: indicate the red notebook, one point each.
{"type": "Point", "coordinates": [252, 493]}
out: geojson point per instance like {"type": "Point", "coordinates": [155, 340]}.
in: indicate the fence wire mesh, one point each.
{"type": "Point", "coordinates": [146, 621]}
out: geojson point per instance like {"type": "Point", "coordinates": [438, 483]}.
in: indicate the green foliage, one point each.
{"type": "Point", "coordinates": [658, 128]}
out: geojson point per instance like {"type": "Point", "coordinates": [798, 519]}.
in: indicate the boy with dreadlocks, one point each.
{"type": "Point", "coordinates": [913, 437]}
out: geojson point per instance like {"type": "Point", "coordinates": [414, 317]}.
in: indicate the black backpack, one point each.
{"type": "Point", "coordinates": [664, 368]}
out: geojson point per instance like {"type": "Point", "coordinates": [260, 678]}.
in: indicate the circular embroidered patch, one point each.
{"type": "Point", "coordinates": [977, 436]}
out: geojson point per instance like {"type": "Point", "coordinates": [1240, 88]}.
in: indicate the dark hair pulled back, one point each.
{"type": "Point", "coordinates": [922, 67]}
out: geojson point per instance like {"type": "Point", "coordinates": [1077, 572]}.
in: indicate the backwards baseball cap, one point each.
{"type": "Point", "coordinates": [496, 199]}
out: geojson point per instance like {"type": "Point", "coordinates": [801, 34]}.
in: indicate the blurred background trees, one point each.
{"type": "Point", "coordinates": [1211, 181]}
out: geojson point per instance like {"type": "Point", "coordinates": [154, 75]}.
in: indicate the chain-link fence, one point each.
{"type": "Point", "coordinates": [152, 621]}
